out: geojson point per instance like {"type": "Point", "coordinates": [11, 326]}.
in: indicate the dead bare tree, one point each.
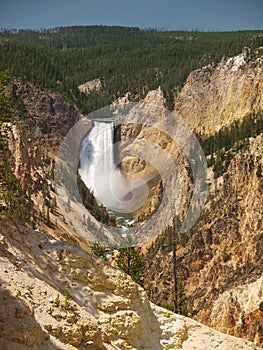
{"type": "Point", "coordinates": [175, 291]}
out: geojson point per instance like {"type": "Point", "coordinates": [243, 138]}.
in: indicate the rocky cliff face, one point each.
{"type": "Point", "coordinates": [57, 296]}
{"type": "Point", "coordinates": [221, 265]}
{"type": "Point", "coordinates": [47, 116]}
{"type": "Point", "coordinates": [217, 95]}
{"type": "Point", "coordinates": [90, 86]}
{"type": "Point", "coordinates": [43, 120]}
{"type": "Point", "coordinates": [214, 97]}
{"type": "Point", "coordinates": [34, 140]}
{"type": "Point", "coordinates": [153, 141]}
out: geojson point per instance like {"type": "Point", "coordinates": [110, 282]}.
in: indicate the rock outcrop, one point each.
{"type": "Point", "coordinates": [89, 86]}
{"type": "Point", "coordinates": [48, 117]}
{"type": "Point", "coordinates": [57, 296]}
{"type": "Point", "coordinates": [215, 96]}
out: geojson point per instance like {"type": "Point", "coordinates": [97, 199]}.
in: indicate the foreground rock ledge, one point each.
{"type": "Point", "coordinates": [57, 296]}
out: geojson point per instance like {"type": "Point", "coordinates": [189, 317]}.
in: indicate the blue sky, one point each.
{"type": "Point", "coordinates": [162, 14]}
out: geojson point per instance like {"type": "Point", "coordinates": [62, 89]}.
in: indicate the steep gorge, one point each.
{"type": "Point", "coordinates": [220, 265]}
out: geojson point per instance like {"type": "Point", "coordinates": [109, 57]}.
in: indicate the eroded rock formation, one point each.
{"type": "Point", "coordinates": [58, 296]}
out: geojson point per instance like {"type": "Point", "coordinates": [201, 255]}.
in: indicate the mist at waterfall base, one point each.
{"type": "Point", "coordinates": [103, 177]}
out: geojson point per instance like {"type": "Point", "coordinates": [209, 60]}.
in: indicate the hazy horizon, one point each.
{"type": "Point", "coordinates": [188, 15]}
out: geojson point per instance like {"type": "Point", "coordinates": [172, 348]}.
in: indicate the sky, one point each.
{"type": "Point", "coordinates": [163, 14]}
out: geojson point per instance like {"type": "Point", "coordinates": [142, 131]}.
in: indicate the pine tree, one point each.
{"type": "Point", "coordinates": [99, 250]}
{"type": "Point", "coordinates": [131, 262]}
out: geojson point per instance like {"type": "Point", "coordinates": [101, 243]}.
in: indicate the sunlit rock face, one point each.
{"type": "Point", "coordinates": [58, 296]}
{"type": "Point", "coordinates": [216, 96]}
{"type": "Point", "coordinates": [221, 265]}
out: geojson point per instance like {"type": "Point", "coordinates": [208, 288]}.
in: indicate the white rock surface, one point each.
{"type": "Point", "coordinates": [105, 310]}
{"type": "Point", "coordinates": [90, 86]}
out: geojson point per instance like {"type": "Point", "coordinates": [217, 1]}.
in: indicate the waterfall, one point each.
{"type": "Point", "coordinates": [97, 168]}
{"type": "Point", "coordinates": [97, 151]}
{"type": "Point", "coordinates": [103, 177]}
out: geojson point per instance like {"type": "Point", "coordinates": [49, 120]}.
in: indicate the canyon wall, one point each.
{"type": "Point", "coordinates": [215, 96]}
{"type": "Point", "coordinates": [221, 265]}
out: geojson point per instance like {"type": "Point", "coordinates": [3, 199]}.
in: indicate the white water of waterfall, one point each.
{"type": "Point", "coordinates": [97, 151]}
{"type": "Point", "coordinates": [103, 177]}
{"type": "Point", "coordinates": [98, 171]}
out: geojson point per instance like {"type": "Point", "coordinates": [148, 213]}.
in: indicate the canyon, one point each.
{"type": "Point", "coordinates": [60, 296]}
